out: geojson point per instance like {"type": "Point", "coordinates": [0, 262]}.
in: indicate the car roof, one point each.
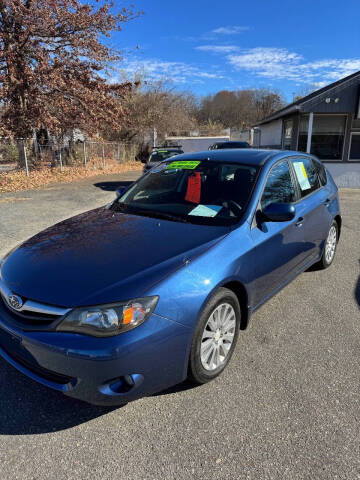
{"type": "Point", "coordinates": [249, 156]}
{"type": "Point", "coordinates": [231, 142]}
{"type": "Point", "coordinates": [155, 149]}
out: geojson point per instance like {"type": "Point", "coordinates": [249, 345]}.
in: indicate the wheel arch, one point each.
{"type": "Point", "coordinates": [242, 295]}
{"type": "Point", "coordinates": [338, 220]}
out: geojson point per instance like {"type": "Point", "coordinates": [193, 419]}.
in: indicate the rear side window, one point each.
{"type": "Point", "coordinates": [306, 174]}
{"type": "Point", "coordinates": [321, 172]}
{"type": "Point", "coordinates": [279, 187]}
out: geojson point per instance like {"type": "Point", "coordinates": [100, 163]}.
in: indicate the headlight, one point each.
{"type": "Point", "coordinates": [108, 320]}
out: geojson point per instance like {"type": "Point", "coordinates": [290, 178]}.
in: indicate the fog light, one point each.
{"type": "Point", "coordinates": [122, 385]}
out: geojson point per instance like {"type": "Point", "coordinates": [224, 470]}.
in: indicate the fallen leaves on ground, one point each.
{"type": "Point", "coordinates": [17, 181]}
{"type": "Point", "coordinates": [13, 199]}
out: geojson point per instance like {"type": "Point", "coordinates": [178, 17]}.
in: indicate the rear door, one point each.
{"type": "Point", "coordinates": [279, 246]}
{"type": "Point", "coordinates": [311, 207]}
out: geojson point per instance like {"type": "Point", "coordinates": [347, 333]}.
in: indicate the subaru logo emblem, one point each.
{"type": "Point", "coordinates": [15, 302]}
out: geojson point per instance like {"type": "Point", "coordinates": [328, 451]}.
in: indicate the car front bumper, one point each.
{"type": "Point", "coordinates": [101, 371]}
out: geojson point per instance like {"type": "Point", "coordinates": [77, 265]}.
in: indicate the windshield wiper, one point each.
{"type": "Point", "coordinates": [149, 213]}
{"type": "Point", "coordinates": [165, 216]}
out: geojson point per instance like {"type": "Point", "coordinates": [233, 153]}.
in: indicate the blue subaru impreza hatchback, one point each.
{"type": "Point", "coordinates": [128, 299]}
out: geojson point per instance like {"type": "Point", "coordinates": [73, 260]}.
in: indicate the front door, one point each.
{"type": "Point", "coordinates": [278, 245]}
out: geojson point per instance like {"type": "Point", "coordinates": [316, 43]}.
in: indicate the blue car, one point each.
{"type": "Point", "coordinates": [129, 299]}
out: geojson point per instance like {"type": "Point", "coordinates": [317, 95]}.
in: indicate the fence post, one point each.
{"type": "Point", "coordinates": [85, 159]}
{"type": "Point", "coordinates": [60, 160]}
{"type": "Point", "coordinates": [26, 160]}
{"type": "Point", "coordinates": [118, 149]}
{"type": "Point", "coordinates": [103, 155]}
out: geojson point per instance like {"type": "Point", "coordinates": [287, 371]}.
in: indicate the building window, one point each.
{"type": "Point", "coordinates": [287, 134]}
{"type": "Point", "coordinates": [355, 147]}
{"type": "Point", "coordinates": [327, 141]}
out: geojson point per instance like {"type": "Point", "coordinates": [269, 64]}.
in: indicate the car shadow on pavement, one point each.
{"type": "Point", "coordinates": [181, 387]}
{"type": "Point", "coordinates": [357, 290]}
{"type": "Point", "coordinates": [112, 186]}
{"type": "Point", "coordinates": [28, 408]}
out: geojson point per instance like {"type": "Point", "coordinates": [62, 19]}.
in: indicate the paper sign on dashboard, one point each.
{"type": "Point", "coordinates": [206, 210]}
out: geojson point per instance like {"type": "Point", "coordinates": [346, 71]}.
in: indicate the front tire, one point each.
{"type": "Point", "coordinates": [215, 337]}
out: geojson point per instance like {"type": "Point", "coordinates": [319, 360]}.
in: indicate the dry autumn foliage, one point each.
{"type": "Point", "coordinates": [155, 105]}
{"type": "Point", "coordinates": [17, 181]}
{"type": "Point", "coordinates": [53, 67]}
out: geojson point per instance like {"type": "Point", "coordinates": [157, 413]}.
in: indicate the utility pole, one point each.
{"type": "Point", "coordinates": [26, 160]}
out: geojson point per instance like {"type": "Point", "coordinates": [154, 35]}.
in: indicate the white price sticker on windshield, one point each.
{"type": "Point", "coordinates": [302, 175]}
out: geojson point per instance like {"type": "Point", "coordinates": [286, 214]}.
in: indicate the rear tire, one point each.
{"type": "Point", "coordinates": [215, 337]}
{"type": "Point", "coordinates": [329, 250]}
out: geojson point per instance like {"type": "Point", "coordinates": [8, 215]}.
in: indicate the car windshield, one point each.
{"type": "Point", "coordinates": [205, 192]}
{"type": "Point", "coordinates": [161, 155]}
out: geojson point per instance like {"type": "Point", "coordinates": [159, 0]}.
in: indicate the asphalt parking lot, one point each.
{"type": "Point", "coordinates": [286, 408]}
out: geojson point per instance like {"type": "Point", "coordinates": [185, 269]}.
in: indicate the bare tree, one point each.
{"type": "Point", "coordinates": [304, 91]}
{"type": "Point", "coordinates": [266, 102]}
{"type": "Point", "coordinates": [153, 105]}
{"type": "Point", "coordinates": [239, 108]}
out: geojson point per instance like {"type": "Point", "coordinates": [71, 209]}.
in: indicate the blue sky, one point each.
{"type": "Point", "coordinates": [206, 46]}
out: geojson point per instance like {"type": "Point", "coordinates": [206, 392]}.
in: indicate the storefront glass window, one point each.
{"type": "Point", "coordinates": [327, 140]}
{"type": "Point", "coordinates": [355, 147]}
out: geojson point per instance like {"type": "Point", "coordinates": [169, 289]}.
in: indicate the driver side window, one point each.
{"type": "Point", "coordinates": [279, 187]}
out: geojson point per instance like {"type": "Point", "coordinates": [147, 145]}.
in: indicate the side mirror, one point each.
{"type": "Point", "coordinates": [120, 191]}
{"type": "Point", "coordinates": [279, 212]}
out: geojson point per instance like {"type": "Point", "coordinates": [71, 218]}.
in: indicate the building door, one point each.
{"type": "Point", "coordinates": [287, 134]}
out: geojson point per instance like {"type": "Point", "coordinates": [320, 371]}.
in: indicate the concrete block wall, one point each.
{"type": "Point", "coordinates": [346, 175]}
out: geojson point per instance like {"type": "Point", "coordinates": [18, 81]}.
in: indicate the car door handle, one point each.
{"type": "Point", "coordinates": [327, 202]}
{"type": "Point", "coordinates": [299, 222]}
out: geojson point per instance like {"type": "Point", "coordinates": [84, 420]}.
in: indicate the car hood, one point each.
{"type": "Point", "coordinates": [102, 256]}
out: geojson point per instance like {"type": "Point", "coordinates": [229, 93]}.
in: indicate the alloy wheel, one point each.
{"type": "Point", "coordinates": [330, 246]}
{"type": "Point", "coordinates": [218, 336]}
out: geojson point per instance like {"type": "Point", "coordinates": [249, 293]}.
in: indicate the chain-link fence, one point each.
{"type": "Point", "coordinates": [9, 155]}
{"type": "Point", "coordinates": [29, 155]}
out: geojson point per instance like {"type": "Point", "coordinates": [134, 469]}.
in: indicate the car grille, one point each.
{"type": "Point", "coordinates": [31, 313]}
{"type": "Point", "coordinates": [28, 318]}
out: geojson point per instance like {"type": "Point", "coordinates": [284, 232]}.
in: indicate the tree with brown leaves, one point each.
{"type": "Point", "coordinates": [239, 108]}
{"type": "Point", "coordinates": [54, 67]}
{"type": "Point", "coordinates": [155, 105]}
